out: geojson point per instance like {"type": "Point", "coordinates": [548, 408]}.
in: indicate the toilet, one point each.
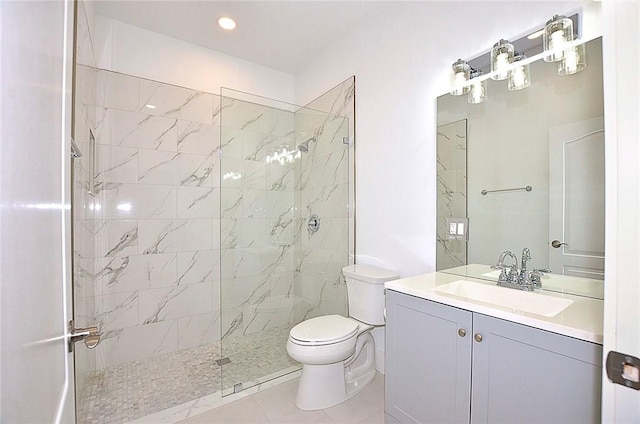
{"type": "Point", "coordinates": [338, 353]}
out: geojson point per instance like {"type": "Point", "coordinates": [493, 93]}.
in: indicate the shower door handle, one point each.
{"type": "Point", "coordinates": [90, 335]}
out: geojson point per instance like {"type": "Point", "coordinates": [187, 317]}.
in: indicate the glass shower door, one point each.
{"type": "Point", "coordinates": [272, 162]}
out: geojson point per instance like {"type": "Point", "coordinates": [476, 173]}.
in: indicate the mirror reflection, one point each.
{"type": "Point", "coordinates": [525, 170]}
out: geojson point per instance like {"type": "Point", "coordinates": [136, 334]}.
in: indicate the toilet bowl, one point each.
{"type": "Point", "coordinates": [338, 361]}
{"type": "Point", "coordinates": [338, 353]}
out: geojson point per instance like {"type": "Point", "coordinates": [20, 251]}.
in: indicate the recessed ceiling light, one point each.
{"type": "Point", "coordinates": [150, 106]}
{"type": "Point", "coordinates": [226, 23]}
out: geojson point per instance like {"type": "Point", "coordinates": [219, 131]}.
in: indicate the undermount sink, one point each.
{"type": "Point", "coordinates": [534, 303]}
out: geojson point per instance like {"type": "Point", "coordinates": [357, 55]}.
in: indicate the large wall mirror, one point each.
{"type": "Point", "coordinates": [525, 169]}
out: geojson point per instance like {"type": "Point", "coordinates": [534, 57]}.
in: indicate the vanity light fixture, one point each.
{"type": "Point", "coordinates": [558, 32]}
{"type": "Point", "coordinates": [226, 23]}
{"type": "Point", "coordinates": [574, 60]}
{"type": "Point", "coordinates": [478, 92]}
{"type": "Point", "coordinates": [460, 75]}
{"type": "Point", "coordinates": [557, 41]}
{"type": "Point", "coordinates": [519, 76]}
{"type": "Point", "coordinates": [501, 57]}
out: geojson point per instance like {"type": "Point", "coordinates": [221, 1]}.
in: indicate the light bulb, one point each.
{"type": "Point", "coordinates": [478, 93]}
{"type": "Point", "coordinates": [501, 56]}
{"type": "Point", "coordinates": [571, 61]}
{"type": "Point", "coordinates": [226, 23]}
{"type": "Point", "coordinates": [502, 62]}
{"type": "Point", "coordinates": [459, 80]}
{"type": "Point", "coordinates": [574, 60]}
{"type": "Point", "coordinates": [557, 41]}
{"type": "Point", "coordinates": [460, 72]}
{"type": "Point", "coordinates": [519, 77]}
{"type": "Point", "coordinates": [557, 33]}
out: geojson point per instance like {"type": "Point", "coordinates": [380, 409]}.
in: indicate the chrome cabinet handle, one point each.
{"type": "Point", "coordinates": [478, 337]}
{"type": "Point", "coordinates": [462, 332]}
{"type": "Point", "coordinates": [556, 244]}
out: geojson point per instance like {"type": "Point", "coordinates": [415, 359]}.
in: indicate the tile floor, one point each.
{"type": "Point", "coordinates": [276, 405]}
{"type": "Point", "coordinates": [136, 389]}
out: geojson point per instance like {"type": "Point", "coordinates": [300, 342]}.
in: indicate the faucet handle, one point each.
{"type": "Point", "coordinates": [514, 275]}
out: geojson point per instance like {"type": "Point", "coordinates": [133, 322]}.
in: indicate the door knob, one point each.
{"type": "Point", "coordinates": [556, 244]}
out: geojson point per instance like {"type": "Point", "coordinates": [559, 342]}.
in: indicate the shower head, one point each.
{"type": "Point", "coordinates": [304, 147]}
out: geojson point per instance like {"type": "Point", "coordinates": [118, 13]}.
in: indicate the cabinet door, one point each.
{"type": "Point", "coordinates": [428, 364]}
{"type": "Point", "coordinates": [526, 375]}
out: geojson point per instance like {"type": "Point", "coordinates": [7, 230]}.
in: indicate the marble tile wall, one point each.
{"type": "Point", "coordinates": [325, 186]}
{"type": "Point", "coordinates": [157, 229]}
{"type": "Point", "coordinates": [199, 198]}
{"type": "Point", "coordinates": [452, 191]}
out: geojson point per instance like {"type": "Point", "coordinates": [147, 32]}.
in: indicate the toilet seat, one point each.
{"type": "Point", "coordinates": [324, 330]}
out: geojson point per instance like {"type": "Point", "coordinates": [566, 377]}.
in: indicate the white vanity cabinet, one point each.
{"type": "Point", "coordinates": [449, 365]}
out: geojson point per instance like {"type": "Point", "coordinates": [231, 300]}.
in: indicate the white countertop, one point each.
{"type": "Point", "coordinates": [582, 319]}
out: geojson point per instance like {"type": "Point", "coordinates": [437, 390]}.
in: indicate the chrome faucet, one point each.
{"type": "Point", "coordinates": [521, 280]}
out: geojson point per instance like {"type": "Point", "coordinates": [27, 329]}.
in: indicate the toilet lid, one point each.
{"type": "Point", "coordinates": [324, 330]}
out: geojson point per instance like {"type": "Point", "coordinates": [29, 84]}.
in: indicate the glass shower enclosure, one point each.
{"type": "Point", "coordinates": [204, 228]}
{"type": "Point", "coordinates": [284, 230]}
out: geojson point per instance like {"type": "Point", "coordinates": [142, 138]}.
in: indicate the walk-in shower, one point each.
{"type": "Point", "coordinates": [191, 248]}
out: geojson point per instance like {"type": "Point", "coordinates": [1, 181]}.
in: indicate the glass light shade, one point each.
{"type": "Point", "coordinates": [460, 74]}
{"type": "Point", "coordinates": [501, 57]}
{"type": "Point", "coordinates": [574, 61]}
{"type": "Point", "coordinates": [478, 92]}
{"type": "Point", "coordinates": [557, 33]}
{"type": "Point", "coordinates": [519, 76]}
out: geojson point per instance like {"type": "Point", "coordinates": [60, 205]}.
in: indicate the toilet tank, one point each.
{"type": "Point", "coordinates": [365, 291]}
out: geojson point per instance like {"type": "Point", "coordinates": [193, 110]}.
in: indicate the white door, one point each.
{"type": "Point", "coordinates": [576, 199]}
{"type": "Point", "coordinates": [35, 123]}
{"type": "Point", "coordinates": [621, 56]}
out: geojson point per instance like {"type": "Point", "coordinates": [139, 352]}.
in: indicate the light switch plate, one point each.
{"type": "Point", "coordinates": [458, 228]}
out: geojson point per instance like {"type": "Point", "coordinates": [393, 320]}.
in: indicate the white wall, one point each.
{"type": "Point", "coordinates": [134, 51]}
{"type": "Point", "coordinates": [401, 63]}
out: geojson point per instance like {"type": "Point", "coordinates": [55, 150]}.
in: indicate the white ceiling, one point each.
{"type": "Point", "coordinates": [283, 35]}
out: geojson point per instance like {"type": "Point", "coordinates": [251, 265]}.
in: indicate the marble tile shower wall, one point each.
{"type": "Point", "coordinates": [257, 232]}
{"type": "Point", "coordinates": [157, 231]}
{"type": "Point", "coordinates": [325, 186]}
{"type": "Point", "coordinates": [174, 227]}
{"type": "Point", "coordinates": [452, 191]}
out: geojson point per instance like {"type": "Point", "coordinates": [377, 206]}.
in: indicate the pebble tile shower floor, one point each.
{"type": "Point", "coordinates": [133, 390]}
